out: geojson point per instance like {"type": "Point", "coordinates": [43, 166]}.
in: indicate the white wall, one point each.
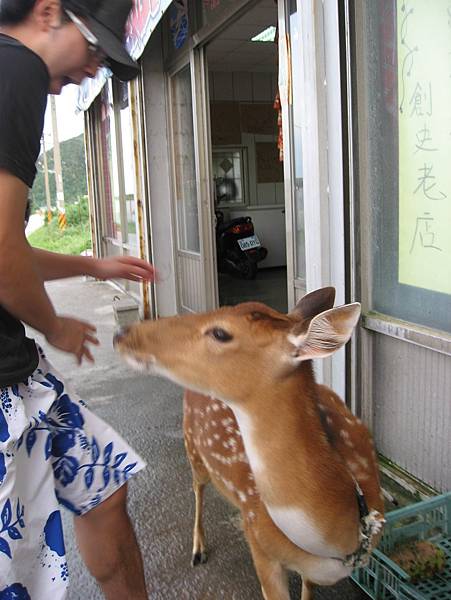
{"type": "Point", "coordinates": [266, 200]}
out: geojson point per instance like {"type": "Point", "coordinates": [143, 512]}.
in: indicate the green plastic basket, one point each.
{"type": "Point", "coordinates": [383, 579]}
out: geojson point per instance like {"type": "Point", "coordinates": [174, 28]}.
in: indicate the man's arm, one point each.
{"type": "Point", "coordinates": [22, 291]}
{"type": "Point", "coordinates": [59, 266]}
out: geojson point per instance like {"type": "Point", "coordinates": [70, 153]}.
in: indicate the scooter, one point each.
{"type": "Point", "coordinates": [238, 248]}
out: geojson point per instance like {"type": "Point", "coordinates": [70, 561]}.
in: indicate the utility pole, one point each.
{"type": "Point", "coordinates": [58, 169]}
{"type": "Point", "coordinates": [46, 180]}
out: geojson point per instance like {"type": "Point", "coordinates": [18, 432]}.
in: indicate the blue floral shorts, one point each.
{"type": "Point", "coordinates": [53, 452]}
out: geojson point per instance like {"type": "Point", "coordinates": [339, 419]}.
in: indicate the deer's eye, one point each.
{"type": "Point", "coordinates": [220, 335]}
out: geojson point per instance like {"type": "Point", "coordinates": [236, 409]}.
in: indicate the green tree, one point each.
{"type": "Point", "coordinates": [74, 174]}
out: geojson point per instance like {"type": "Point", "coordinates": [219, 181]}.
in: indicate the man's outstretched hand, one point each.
{"type": "Point", "coordinates": [73, 336]}
{"type": "Point", "coordinates": [76, 336]}
{"type": "Point", "coordinates": [123, 267]}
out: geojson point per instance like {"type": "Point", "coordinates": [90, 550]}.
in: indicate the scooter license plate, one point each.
{"type": "Point", "coordinates": [249, 242]}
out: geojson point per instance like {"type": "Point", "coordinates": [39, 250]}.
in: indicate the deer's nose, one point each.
{"type": "Point", "coordinates": [119, 334]}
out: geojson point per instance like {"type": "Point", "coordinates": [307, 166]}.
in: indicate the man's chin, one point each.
{"type": "Point", "coordinates": [56, 85]}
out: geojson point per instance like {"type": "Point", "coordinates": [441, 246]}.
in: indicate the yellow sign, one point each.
{"type": "Point", "coordinates": [424, 109]}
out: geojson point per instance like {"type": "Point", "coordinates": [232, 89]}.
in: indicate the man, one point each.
{"type": "Point", "coordinates": [52, 449]}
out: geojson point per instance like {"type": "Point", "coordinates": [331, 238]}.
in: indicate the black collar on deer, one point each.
{"type": "Point", "coordinates": [371, 524]}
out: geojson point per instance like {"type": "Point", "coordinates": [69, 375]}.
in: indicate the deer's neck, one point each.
{"type": "Point", "coordinates": [302, 481]}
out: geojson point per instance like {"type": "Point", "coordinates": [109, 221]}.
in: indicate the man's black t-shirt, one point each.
{"type": "Point", "coordinates": [24, 84]}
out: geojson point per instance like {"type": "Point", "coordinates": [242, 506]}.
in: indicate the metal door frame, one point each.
{"type": "Point", "coordinates": [323, 182]}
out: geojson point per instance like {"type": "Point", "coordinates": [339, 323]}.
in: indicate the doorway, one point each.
{"type": "Point", "coordinates": [247, 154]}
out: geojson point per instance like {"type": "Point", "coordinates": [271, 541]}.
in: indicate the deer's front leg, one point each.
{"type": "Point", "coordinates": [199, 553]}
{"type": "Point", "coordinates": [307, 590]}
{"type": "Point", "coordinates": [200, 479]}
{"type": "Point", "coordinates": [272, 575]}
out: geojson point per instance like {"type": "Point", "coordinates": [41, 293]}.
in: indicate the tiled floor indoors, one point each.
{"type": "Point", "coordinates": [269, 287]}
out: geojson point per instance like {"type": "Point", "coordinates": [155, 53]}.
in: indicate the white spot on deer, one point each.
{"type": "Point", "coordinates": [242, 496]}
{"type": "Point", "coordinates": [349, 443]}
{"type": "Point", "coordinates": [216, 436]}
{"type": "Point", "coordinates": [329, 421]}
{"type": "Point", "coordinates": [208, 409]}
{"type": "Point", "coordinates": [213, 423]}
{"type": "Point", "coordinates": [344, 434]}
{"type": "Point", "coordinates": [210, 442]}
{"type": "Point", "coordinates": [362, 476]}
{"type": "Point", "coordinates": [229, 485]}
{"type": "Point", "coordinates": [216, 407]}
{"type": "Point", "coordinates": [363, 461]}
{"type": "Point", "coordinates": [250, 491]}
{"type": "Point", "coordinates": [322, 407]}
{"type": "Point", "coordinates": [190, 430]}
{"type": "Point", "coordinates": [349, 421]}
{"type": "Point", "coordinates": [227, 421]}
{"type": "Point", "coordinates": [251, 515]}
{"type": "Point", "coordinates": [242, 457]}
{"type": "Point", "coordinates": [353, 466]}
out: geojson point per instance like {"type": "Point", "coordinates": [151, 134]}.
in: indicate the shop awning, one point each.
{"type": "Point", "coordinates": [144, 17]}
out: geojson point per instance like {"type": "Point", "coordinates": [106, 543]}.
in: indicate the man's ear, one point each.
{"type": "Point", "coordinates": [314, 303]}
{"type": "Point", "coordinates": [47, 13]}
{"type": "Point", "coordinates": [327, 332]}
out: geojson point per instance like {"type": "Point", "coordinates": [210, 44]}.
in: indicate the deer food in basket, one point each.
{"type": "Point", "coordinates": [419, 559]}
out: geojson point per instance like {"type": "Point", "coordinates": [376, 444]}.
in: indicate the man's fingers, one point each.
{"type": "Point", "coordinates": [87, 354]}
{"type": "Point", "coordinates": [84, 353]}
{"type": "Point", "coordinates": [92, 340]}
{"type": "Point", "coordinates": [140, 273]}
{"type": "Point", "coordinates": [138, 267]}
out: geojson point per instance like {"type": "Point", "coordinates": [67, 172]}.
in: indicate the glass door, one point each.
{"type": "Point", "coordinates": [291, 86]}
{"type": "Point", "coordinates": [194, 256]}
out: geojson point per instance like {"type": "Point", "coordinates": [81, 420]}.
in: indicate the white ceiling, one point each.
{"type": "Point", "coordinates": [232, 49]}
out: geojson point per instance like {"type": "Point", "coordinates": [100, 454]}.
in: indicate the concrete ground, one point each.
{"type": "Point", "coordinates": [148, 413]}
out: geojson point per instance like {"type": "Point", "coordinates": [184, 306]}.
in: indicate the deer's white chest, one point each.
{"type": "Point", "coordinates": [294, 522]}
{"type": "Point", "coordinates": [301, 530]}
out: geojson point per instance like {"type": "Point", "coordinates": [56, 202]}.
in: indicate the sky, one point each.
{"type": "Point", "coordinates": [70, 124]}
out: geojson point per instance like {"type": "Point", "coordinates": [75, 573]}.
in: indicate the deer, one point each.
{"type": "Point", "coordinates": [282, 448]}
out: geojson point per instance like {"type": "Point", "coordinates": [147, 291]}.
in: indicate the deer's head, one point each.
{"type": "Point", "coordinates": [230, 351]}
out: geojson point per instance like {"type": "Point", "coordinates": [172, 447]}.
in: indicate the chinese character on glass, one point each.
{"type": "Point", "coordinates": [424, 236]}
{"type": "Point", "coordinates": [427, 182]}
{"type": "Point", "coordinates": [421, 101]}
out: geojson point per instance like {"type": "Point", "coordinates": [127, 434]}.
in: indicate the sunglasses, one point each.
{"type": "Point", "coordinates": [93, 42]}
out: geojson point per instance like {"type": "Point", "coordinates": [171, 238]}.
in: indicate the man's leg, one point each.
{"type": "Point", "coordinates": [109, 548]}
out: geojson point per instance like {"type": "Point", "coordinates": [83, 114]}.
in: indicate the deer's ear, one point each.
{"type": "Point", "coordinates": [327, 332]}
{"type": "Point", "coordinates": [314, 303]}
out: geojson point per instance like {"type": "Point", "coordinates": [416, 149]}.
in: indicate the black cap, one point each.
{"type": "Point", "coordinates": [106, 19]}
